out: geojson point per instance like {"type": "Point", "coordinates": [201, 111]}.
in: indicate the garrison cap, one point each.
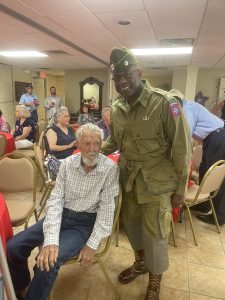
{"type": "Point", "coordinates": [121, 59]}
{"type": "Point", "coordinates": [177, 93]}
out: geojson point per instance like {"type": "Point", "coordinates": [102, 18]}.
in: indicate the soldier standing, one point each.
{"type": "Point", "coordinates": [150, 131]}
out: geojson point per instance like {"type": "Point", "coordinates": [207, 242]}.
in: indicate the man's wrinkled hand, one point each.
{"type": "Point", "coordinates": [47, 257]}
{"type": "Point", "coordinates": [86, 256]}
{"type": "Point", "coordinates": [177, 200]}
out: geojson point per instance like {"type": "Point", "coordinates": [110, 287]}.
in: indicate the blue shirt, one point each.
{"type": "Point", "coordinates": [201, 121]}
{"type": "Point", "coordinates": [26, 98]}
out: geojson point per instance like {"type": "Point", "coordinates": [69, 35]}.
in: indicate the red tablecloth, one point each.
{"type": "Point", "coordinates": [10, 142]}
{"type": "Point", "coordinates": [5, 224]}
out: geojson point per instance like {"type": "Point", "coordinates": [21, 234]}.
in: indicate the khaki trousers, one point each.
{"type": "Point", "coordinates": [148, 226]}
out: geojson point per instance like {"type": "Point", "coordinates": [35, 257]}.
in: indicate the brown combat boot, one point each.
{"type": "Point", "coordinates": [139, 267]}
{"type": "Point", "coordinates": [153, 287]}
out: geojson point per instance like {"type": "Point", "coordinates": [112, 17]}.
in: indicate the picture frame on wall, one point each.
{"type": "Point", "coordinates": [20, 89]}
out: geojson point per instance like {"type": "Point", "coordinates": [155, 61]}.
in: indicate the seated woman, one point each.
{"type": "Point", "coordinates": [85, 117]}
{"type": "Point", "coordinates": [60, 137]}
{"type": "Point", "coordinates": [3, 123]}
{"type": "Point", "coordinates": [24, 128]}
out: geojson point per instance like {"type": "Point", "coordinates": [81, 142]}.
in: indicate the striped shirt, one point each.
{"type": "Point", "coordinates": [79, 191]}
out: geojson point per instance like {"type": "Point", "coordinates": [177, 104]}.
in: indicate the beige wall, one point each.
{"type": "Point", "coordinates": [6, 93]}
{"type": "Point", "coordinates": [72, 87]}
{"type": "Point", "coordinates": [160, 81]}
{"type": "Point", "coordinates": [208, 83]}
{"type": "Point", "coordinates": [179, 80]}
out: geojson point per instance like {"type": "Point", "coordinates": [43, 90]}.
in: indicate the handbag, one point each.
{"type": "Point", "coordinates": [53, 164]}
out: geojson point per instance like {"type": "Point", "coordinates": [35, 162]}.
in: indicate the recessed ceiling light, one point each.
{"type": "Point", "coordinates": [124, 22]}
{"type": "Point", "coordinates": [23, 54]}
{"type": "Point", "coordinates": [163, 51]}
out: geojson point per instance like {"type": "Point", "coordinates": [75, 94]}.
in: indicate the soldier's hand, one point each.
{"type": "Point", "coordinates": [177, 200]}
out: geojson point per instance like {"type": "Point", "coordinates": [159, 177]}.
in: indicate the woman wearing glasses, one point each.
{"type": "Point", "coordinates": [60, 137]}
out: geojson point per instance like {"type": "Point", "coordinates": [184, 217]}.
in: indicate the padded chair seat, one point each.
{"type": "Point", "coordinates": [28, 152]}
{"type": "Point", "coordinates": [191, 193]}
{"type": "Point", "coordinates": [19, 210]}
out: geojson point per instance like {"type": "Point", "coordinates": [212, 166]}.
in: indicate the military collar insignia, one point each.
{"type": "Point", "coordinates": [146, 118]}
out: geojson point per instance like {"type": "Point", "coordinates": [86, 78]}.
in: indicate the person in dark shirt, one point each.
{"type": "Point", "coordinates": [24, 128]}
{"type": "Point", "coordinates": [60, 137]}
{"type": "Point", "coordinates": [85, 117]}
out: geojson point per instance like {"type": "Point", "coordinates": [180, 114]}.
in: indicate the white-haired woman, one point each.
{"type": "Point", "coordinates": [24, 128]}
{"type": "Point", "coordinates": [60, 137]}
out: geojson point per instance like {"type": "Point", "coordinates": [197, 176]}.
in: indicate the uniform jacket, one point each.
{"type": "Point", "coordinates": [153, 137]}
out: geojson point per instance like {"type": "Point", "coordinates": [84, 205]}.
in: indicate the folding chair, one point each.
{"type": "Point", "coordinates": [205, 191]}
{"type": "Point", "coordinates": [48, 183]}
{"type": "Point", "coordinates": [18, 175]}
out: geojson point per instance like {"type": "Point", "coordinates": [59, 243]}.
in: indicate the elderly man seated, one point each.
{"type": "Point", "coordinates": [79, 214]}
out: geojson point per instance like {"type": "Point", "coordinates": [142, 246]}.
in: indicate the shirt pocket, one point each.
{"type": "Point", "coordinates": [150, 138]}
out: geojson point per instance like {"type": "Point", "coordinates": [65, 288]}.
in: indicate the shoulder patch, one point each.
{"type": "Point", "coordinates": [174, 108]}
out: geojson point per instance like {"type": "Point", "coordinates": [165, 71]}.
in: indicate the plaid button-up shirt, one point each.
{"type": "Point", "coordinates": [79, 191]}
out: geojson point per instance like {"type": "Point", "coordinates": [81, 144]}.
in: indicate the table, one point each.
{"type": "Point", "coordinates": [5, 223]}
{"type": "Point", "coordinates": [10, 142]}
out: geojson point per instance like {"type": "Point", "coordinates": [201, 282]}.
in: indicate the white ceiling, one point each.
{"type": "Point", "coordinates": [87, 30]}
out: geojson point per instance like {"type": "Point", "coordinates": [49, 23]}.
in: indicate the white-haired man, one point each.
{"type": "Point", "coordinates": [79, 214]}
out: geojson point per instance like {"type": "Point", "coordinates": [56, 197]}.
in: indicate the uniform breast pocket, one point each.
{"type": "Point", "coordinates": [147, 139]}
{"type": "Point", "coordinates": [118, 134]}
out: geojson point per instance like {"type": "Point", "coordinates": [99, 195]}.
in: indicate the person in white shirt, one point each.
{"type": "Point", "coordinates": [79, 215]}
{"type": "Point", "coordinates": [52, 103]}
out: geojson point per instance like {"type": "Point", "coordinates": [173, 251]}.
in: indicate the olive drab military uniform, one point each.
{"type": "Point", "coordinates": [154, 143]}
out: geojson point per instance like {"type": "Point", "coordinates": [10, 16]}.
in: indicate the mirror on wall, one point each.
{"type": "Point", "coordinates": [91, 93]}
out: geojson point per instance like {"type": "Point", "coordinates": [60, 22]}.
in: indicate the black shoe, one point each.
{"type": "Point", "coordinates": [208, 219]}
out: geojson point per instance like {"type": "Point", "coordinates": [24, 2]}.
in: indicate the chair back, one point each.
{"type": "Point", "coordinates": [39, 160]}
{"type": "Point", "coordinates": [17, 173]}
{"type": "Point", "coordinates": [196, 157]}
{"type": "Point", "coordinates": [42, 124]}
{"type": "Point", "coordinates": [36, 133]}
{"type": "Point", "coordinates": [118, 202]}
{"type": "Point", "coordinates": [213, 178]}
{"type": "Point", "coordinates": [2, 144]}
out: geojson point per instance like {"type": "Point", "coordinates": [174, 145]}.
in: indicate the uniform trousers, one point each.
{"type": "Point", "coordinates": [75, 230]}
{"type": "Point", "coordinates": [147, 226]}
{"type": "Point", "coordinates": [213, 150]}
